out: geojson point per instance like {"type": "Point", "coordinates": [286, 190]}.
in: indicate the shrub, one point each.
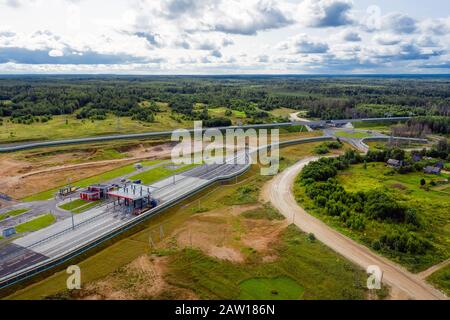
{"type": "Point", "coordinates": [381, 206]}
{"type": "Point", "coordinates": [405, 242]}
{"type": "Point", "coordinates": [321, 149]}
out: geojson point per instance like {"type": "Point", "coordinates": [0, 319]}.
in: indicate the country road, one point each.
{"type": "Point", "coordinates": [405, 285]}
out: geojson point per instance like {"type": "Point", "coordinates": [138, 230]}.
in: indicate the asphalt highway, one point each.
{"type": "Point", "coordinates": [65, 236]}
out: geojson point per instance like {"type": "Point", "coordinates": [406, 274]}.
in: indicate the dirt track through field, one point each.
{"type": "Point", "coordinates": [279, 191]}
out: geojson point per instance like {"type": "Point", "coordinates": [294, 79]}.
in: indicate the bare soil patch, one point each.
{"type": "Point", "coordinates": [141, 279]}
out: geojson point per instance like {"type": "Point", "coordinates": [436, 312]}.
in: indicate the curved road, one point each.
{"type": "Point", "coordinates": [279, 192]}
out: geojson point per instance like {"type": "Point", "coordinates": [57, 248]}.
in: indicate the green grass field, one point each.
{"type": "Point", "coordinates": [73, 204]}
{"type": "Point", "coordinates": [159, 173]}
{"type": "Point", "coordinates": [279, 288]}
{"type": "Point", "coordinates": [58, 128]}
{"type": "Point", "coordinates": [284, 112]}
{"type": "Point", "coordinates": [79, 205]}
{"type": "Point", "coordinates": [86, 207]}
{"type": "Point", "coordinates": [220, 112]}
{"type": "Point", "coordinates": [356, 135]}
{"type": "Point", "coordinates": [312, 269]}
{"type": "Point", "coordinates": [12, 213]}
{"type": "Point", "coordinates": [432, 207]}
{"type": "Point", "coordinates": [441, 279]}
{"type": "Point", "coordinates": [36, 224]}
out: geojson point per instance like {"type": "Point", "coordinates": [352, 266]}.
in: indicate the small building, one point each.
{"type": "Point", "coordinates": [393, 163]}
{"type": "Point", "coordinates": [8, 232]}
{"type": "Point", "coordinates": [440, 165]}
{"type": "Point", "coordinates": [416, 157]}
{"type": "Point", "coordinates": [90, 195]}
{"type": "Point", "coordinates": [67, 190]}
{"type": "Point", "coordinates": [96, 192]}
{"type": "Point", "coordinates": [432, 170]}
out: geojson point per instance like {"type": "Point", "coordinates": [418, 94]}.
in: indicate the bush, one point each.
{"type": "Point", "coordinates": [334, 145]}
{"type": "Point", "coordinates": [217, 122]}
{"type": "Point", "coordinates": [322, 149]}
{"type": "Point", "coordinates": [320, 170]}
{"type": "Point", "coordinates": [405, 242]}
{"type": "Point", "coordinates": [376, 245]}
{"type": "Point", "coordinates": [381, 206]}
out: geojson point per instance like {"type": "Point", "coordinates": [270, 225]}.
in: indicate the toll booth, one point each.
{"type": "Point", "coordinates": [133, 198]}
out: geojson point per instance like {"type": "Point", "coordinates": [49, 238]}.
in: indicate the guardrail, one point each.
{"type": "Point", "coordinates": [48, 264]}
{"type": "Point", "coordinates": [363, 141]}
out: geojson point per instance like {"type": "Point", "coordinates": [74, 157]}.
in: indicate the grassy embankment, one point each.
{"type": "Point", "coordinates": [65, 127]}
{"type": "Point", "coordinates": [304, 267]}
{"type": "Point", "coordinates": [159, 173]}
{"type": "Point", "coordinates": [36, 224]}
{"type": "Point", "coordinates": [431, 206]}
{"type": "Point", "coordinates": [356, 134]}
{"type": "Point", "coordinates": [79, 205]}
{"type": "Point", "coordinates": [12, 213]}
{"type": "Point", "coordinates": [441, 279]}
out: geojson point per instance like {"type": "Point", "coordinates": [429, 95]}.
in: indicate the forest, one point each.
{"type": "Point", "coordinates": [26, 99]}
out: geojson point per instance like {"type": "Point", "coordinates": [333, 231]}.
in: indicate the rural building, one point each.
{"type": "Point", "coordinates": [440, 165]}
{"type": "Point", "coordinates": [416, 157]}
{"type": "Point", "coordinates": [133, 198]}
{"type": "Point", "coordinates": [432, 170]}
{"type": "Point", "coordinates": [394, 163]}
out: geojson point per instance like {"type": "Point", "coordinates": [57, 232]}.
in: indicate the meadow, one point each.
{"type": "Point", "coordinates": [36, 224]}
{"type": "Point", "coordinates": [430, 204]}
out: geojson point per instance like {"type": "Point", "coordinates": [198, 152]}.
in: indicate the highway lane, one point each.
{"type": "Point", "coordinates": [312, 124]}
{"type": "Point", "coordinates": [103, 219]}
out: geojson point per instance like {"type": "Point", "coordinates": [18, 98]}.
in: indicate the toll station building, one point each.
{"type": "Point", "coordinates": [133, 198]}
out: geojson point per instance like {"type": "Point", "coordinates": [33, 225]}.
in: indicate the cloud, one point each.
{"type": "Point", "coordinates": [261, 15]}
{"type": "Point", "coordinates": [302, 43]}
{"type": "Point", "coordinates": [387, 39]}
{"type": "Point", "coordinates": [403, 51]}
{"type": "Point", "coordinates": [325, 13]}
{"type": "Point", "coordinates": [11, 3]}
{"type": "Point", "coordinates": [438, 27]}
{"type": "Point", "coordinates": [351, 36]}
{"type": "Point", "coordinates": [27, 56]}
{"type": "Point", "coordinates": [399, 23]}
{"type": "Point", "coordinates": [444, 65]}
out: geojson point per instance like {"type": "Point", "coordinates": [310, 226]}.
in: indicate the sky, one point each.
{"type": "Point", "coordinates": [224, 36]}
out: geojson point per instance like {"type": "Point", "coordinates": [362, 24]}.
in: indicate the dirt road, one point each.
{"type": "Point", "coordinates": [405, 285]}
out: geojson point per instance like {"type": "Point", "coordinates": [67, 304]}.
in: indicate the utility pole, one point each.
{"type": "Point", "coordinates": [73, 222]}
{"type": "Point", "coordinates": [161, 232]}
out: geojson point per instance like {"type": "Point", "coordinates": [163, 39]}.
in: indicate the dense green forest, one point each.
{"type": "Point", "coordinates": [24, 97]}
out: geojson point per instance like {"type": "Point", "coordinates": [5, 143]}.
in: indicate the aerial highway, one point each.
{"type": "Point", "coordinates": [40, 250]}
{"type": "Point", "coordinates": [313, 124]}
{"type": "Point", "coordinates": [44, 249]}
